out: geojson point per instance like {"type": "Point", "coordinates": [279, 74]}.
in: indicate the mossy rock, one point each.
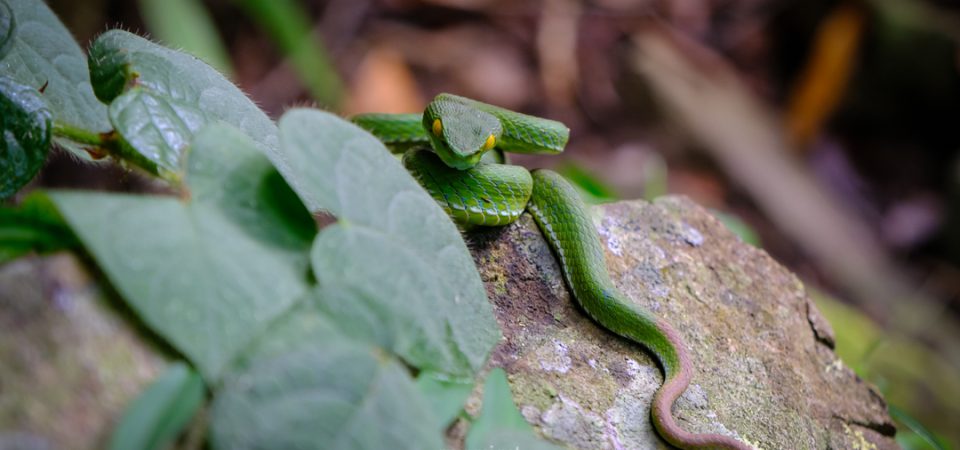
{"type": "Point", "coordinates": [766, 371]}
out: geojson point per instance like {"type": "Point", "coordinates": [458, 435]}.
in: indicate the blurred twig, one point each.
{"type": "Point", "coordinates": [741, 133]}
{"type": "Point", "coordinates": [557, 50]}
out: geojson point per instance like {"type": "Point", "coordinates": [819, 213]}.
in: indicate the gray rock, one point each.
{"type": "Point", "coordinates": [72, 357]}
{"type": "Point", "coordinates": [765, 368]}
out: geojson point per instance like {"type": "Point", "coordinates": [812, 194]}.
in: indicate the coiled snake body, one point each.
{"type": "Point", "coordinates": [448, 150]}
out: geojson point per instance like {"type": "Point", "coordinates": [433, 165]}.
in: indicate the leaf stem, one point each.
{"type": "Point", "coordinates": [78, 135]}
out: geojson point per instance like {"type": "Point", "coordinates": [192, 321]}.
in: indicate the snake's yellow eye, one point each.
{"type": "Point", "coordinates": [491, 141]}
{"type": "Point", "coordinates": [437, 127]}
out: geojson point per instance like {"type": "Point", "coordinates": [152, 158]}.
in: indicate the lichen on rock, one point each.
{"type": "Point", "coordinates": [766, 372]}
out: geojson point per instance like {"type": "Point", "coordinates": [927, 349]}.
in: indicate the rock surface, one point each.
{"type": "Point", "coordinates": [70, 359]}
{"type": "Point", "coordinates": [766, 371]}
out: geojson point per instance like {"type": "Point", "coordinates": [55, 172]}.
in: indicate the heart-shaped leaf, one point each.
{"type": "Point", "coordinates": [307, 386]}
{"type": "Point", "coordinates": [396, 272]}
{"type": "Point", "coordinates": [207, 273]}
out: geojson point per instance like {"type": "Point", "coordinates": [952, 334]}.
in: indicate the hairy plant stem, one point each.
{"type": "Point", "coordinates": [79, 135]}
{"type": "Point", "coordinates": [110, 143]}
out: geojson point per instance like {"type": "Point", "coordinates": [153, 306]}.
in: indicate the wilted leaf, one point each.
{"type": "Point", "coordinates": [396, 271]}
{"type": "Point", "coordinates": [307, 386]}
{"type": "Point", "coordinates": [43, 53]}
{"type": "Point", "coordinates": [25, 124]}
{"type": "Point", "coordinates": [158, 415]}
{"type": "Point", "coordinates": [207, 273]}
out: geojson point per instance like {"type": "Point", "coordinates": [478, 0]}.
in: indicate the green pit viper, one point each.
{"type": "Point", "coordinates": [454, 149]}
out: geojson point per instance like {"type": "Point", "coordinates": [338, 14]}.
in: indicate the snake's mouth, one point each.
{"type": "Point", "coordinates": [454, 159]}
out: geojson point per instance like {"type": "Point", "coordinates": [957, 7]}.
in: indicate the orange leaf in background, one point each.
{"type": "Point", "coordinates": [384, 83]}
{"type": "Point", "coordinates": [824, 78]}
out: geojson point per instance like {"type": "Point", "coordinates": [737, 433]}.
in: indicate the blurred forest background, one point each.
{"type": "Point", "coordinates": [827, 132]}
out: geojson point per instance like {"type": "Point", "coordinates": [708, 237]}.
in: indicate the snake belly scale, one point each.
{"type": "Point", "coordinates": [447, 150]}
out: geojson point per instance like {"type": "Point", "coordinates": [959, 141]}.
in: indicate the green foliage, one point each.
{"type": "Point", "coordinates": [500, 425]}
{"type": "Point", "coordinates": [159, 98]}
{"type": "Point", "coordinates": [287, 24]}
{"type": "Point", "coordinates": [918, 436]}
{"type": "Point", "coordinates": [44, 53]}
{"type": "Point", "coordinates": [207, 273]}
{"type": "Point", "coordinates": [592, 188]}
{"type": "Point", "coordinates": [25, 121]}
{"type": "Point", "coordinates": [34, 226]}
{"type": "Point", "coordinates": [378, 268]}
{"type": "Point", "coordinates": [306, 385]}
{"type": "Point", "coordinates": [446, 396]}
{"type": "Point", "coordinates": [7, 28]}
{"type": "Point", "coordinates": [305, 339]}
{"type": "Point", "coordinates": [921, 388]}
{"type": "Point", "coordinates": [157, 416]}
{"type": "Point", "coordinates": [186, 24]}
{"type": "Point", "coordinates": [734, 223]}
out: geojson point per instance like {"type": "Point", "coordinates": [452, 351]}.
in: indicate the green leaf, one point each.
{"type": "Point", "coordinates": [44, 53]}
{"type": "Point", "coordinates": [734, 223]}
{"type": "Point", "coordinates": [156, 128]}
{"type": "Point", "coordinates": [289, 26]}
{"type": "Point", "coordinates": [445, 396]}
{"type": "Point", "coordinates": [25, 124]}
{"type": "Point", "coordinates": [159, 98]}
{"type": "Point", "coordinates": [391, 294]}
{"type": "Point", "coordinates": [7, 28]}
{"type": "Point", "coordinates": [210, 272]}
{"type": "Point", "coordinates": [187, 25]}
{"type": "Point", "coordinates": [33, 226]}
{"type": "Point", "coordinates": [592, 188]}
{"type": "Point", "coordinates": [500, 425]}
{"type": "Point", "coordinates": [397, 270]}
{"type": "Point", "coordinates": [917, 428]}
{"type": "Point", "coordinates": [306, 386]}
{"type": "Point", "coordinates": [158, 415]}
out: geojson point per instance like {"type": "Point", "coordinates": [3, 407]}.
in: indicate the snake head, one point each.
{"type": "Point", "coordinates": [460, 133]}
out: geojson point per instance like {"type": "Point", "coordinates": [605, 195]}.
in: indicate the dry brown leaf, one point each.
{"type": "Point", "coordinates": [824, 79]}
{"type": "Point", "coordinates": [384, 83]}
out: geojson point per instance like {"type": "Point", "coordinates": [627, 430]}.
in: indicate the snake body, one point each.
{"type": "Point", "coordinates": [444, 148]}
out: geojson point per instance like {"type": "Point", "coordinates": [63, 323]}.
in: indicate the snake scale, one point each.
{"type": "Point", "coordinates": [452, 150]}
